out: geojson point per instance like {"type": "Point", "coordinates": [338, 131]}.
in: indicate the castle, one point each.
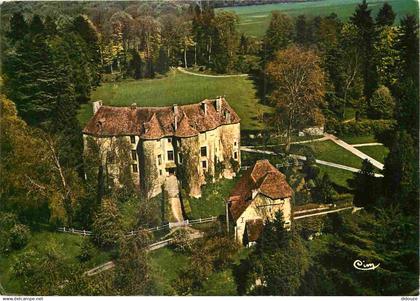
{"type": "Point", "coordinates": [195, 142]}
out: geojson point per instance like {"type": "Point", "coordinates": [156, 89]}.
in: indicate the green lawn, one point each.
{"type": "Point", "coordinates": [338, 176]}
{"type": "Point", "coordinates": [359, 139]}
{"type": "Point", "coordinates": [377, 152]}
{"type": "Point", "coordinates": [67, 245]}
{"type": "Point", "coordinates": [254, 19]}
{"type": "Point", "coordinates": [329, 151]}
{"type": "Point", "coordinates": [180, 88]}
{"type": "Point", "coordinates": [212, 201]}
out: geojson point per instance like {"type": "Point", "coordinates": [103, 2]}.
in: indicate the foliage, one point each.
{"type": "Point", "coordinates": [323, 191]}
{"type": "Point", "coordinates": [361, 128]}
{"type": "Point", "coordinates": [366, 186]}
{"type": "Point", "coordinates": [294, 69]}
{"type": "Point", "coordinates": [382, 104]}
{"type": "Point", "coordinates": [107, 225]}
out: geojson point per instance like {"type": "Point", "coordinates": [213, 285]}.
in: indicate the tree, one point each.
{"type": "Point", "coordinates": [278, 36]}
{"type": "Point", "coordinates": [324, 191]}
{"type": "Point", "coordinates": [382, 104]}
{"type": "Point", "coordinates": [386, 55]}
{"type": "Point", "coordinates": [133, 274]}
{"type": "Point", "coordinates": [400, 171]}
{"type": "Point", "coordinates": [107, 225]}
{"type": "Point", "coordinates": [226, 42]}
{"type": "Point", "coordinates": [365, 186]}
{"type": "Point", "coordinates": [18, 27]}
{"type": "Point", "coordinates": [301, 30]}
{"type": "Point", "coordinates": [273, 236]}
{"type": "Point", "coordinates": [386, 16]}
{"type": "Point", "coordinates": [408, 45]}
{"type": "Point", "coordinates": [366, 34]}
{"type": "Point", "coordinates": [298, 83]}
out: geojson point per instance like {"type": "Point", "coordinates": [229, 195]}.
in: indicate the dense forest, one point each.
{"type": "Point", "coordinates": [311, 71]}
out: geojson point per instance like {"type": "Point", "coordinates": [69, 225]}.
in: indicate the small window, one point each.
{"type": "Point", "coordinates": [242, 219]}
{"type": "Point", "coordinates": [180, 158]}
{"type": "Point", "coordinates": [135, 169]}
{"type": "Point", "coordinates": [203, 151]}
{"type": "Point", "coordinates": [170, 155]}
{"type": "Point", "coordinates": [235, 155]}
{"type": "Point", "coordinates": [133, 139]}
{"type": "Point", "coordinates": [133, 154]}
{"type": "Point", "coordinates": [160, 159]}
{"type": "Point", "coordinates": [204, 164]}
{"type": "Point", "coordinates": [110, 157]}
{"type": "Point", "coordinates": [160, 172]}
{"type": "Point", "coordinates": [169, 140]}
{"type": "Point", "coordinates": [235, 143]}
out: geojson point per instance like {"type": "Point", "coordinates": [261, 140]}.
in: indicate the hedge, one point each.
{"type": "Point", "coordinates": [359, 128]}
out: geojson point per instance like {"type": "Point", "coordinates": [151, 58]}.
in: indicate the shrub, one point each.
{"type": "Point", "coordinates": [19, 236]}
{"type": "Point", "coordinates": [382, 104]}
{"type": "Point", "coordinates": [360, 128]}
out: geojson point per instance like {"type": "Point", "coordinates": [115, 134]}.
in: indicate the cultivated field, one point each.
{"type": "Point", "coordinates": [180, 88]}
{"type": "Point", "coordinates": [254, 19]}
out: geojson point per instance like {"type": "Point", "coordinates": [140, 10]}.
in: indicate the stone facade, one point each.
{"type": "Point", "coordinates": [193, 142]}
{"type": "Point", "coordinates": [259, 194]}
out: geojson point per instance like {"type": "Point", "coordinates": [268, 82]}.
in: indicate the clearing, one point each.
{"type": "Point", "coordinates": [254, 19]}
{"type": "Point", "coordinates": [180, 88]}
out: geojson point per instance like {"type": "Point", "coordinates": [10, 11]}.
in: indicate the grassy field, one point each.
{"type": "Point", "coordinates": [338, 176]}
{"type": "Point", "coordinates": [180, 88]}
{"type": "Point", "coordinates": [359, 139]}
{"type": "Point", "coordinates": [377, 152]}
{"type": "Point", "coordinates": [329, 151]}
{"type": "Point", "coordinates": [254, 19]}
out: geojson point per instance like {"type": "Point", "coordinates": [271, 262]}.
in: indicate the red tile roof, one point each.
{"type": "Point", "coordinates": [264, 178]}
{"type": "Point", "coordinates": [158, 122]}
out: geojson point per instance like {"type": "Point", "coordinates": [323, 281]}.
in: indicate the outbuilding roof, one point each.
{"type": "Point", "coordinates": [158, 122]}
{"type": "Point", "coordinates": [262, 178]}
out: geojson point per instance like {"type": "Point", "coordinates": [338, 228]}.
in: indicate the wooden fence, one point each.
{"type": "Point", "coordinates": [168, 226]}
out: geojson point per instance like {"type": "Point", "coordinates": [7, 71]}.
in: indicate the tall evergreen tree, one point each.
{"type": "Point", "coordinates": [362, 19]}
{"type": "Point", "coordinates": [386, 16]}
{"type": "Point", "coordinates": [18, 27]}
{"type": "Point", "coordinates": [408, 45]}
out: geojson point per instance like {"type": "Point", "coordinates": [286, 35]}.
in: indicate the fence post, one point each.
{"type": "Point", "coordinates": [72, 230]}
{"type": "Point", "coordinates": [84, 232]}
{"type": "Point", "coordinates": [64, 229]}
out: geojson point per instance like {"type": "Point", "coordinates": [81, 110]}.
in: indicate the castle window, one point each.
{"type": "Point", "coordinates": [235, 155]}
{"type": "Point", "coordinates": [180, 158]}
{"type": "Point", "coordinates": [169, 140]}
{"type": "Point", "coordinates": [203, 151]}
{"type": "Point", "coordinates": [133, 139]}
{"type": "Point", "coordinates": [235, 143]}
{"type": "Point", "coordinates": [159, 159]}
{"type": "Point", "coordinates": [160, 172]}
{"type": "Point", "coordinates": [170, 155]}
{"type": "Point", "coordinates": [204, 164]}
{"type": "Point", "coordinates": [133, 154]}
{"type": "Point", "coordinates": [110, 156]}
{"type": "Point", "coordinates": [135, 169]}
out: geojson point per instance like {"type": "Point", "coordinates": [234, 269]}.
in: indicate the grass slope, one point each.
{"type": "Point", "coordinates": [377, 152]}
{"type": "Point", "coordinates": [254, 19]}
{"type": "Point", "coordinates": [331, 152]}
{"type": "Point", "coordinates": [180, 88]}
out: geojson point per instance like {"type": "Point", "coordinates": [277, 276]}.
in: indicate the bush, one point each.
{"type": "Point", "coordinates": [360, 128]}
{"type": "Point", "coordinates": [19, 236]}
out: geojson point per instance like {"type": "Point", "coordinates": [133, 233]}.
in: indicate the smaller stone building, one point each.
{"type": "Point", "coordinates": [259, 194]}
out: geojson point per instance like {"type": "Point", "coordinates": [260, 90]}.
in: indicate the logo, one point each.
{"type": "Point", "coordinates": [362, 266]}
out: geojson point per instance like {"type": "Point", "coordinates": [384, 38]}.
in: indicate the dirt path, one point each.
{"type": "Point", "coordinates": [354, 151]}
{"type": "Point", "coordinates": [171, 186]}
{"type": "Point", "coordinates": [209, 75]}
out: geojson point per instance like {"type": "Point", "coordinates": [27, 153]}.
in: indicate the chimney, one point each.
{"type": "Point", "coordinates": [96, 105]}
{"type": "Point", "coordinates": [176, 112]}
{"type": "Point", "coordinates": [204, 105]}
{"type": "Point", "coordinates": [133, 105]}
{"type": "Point", "coordinates": [218, 103]}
